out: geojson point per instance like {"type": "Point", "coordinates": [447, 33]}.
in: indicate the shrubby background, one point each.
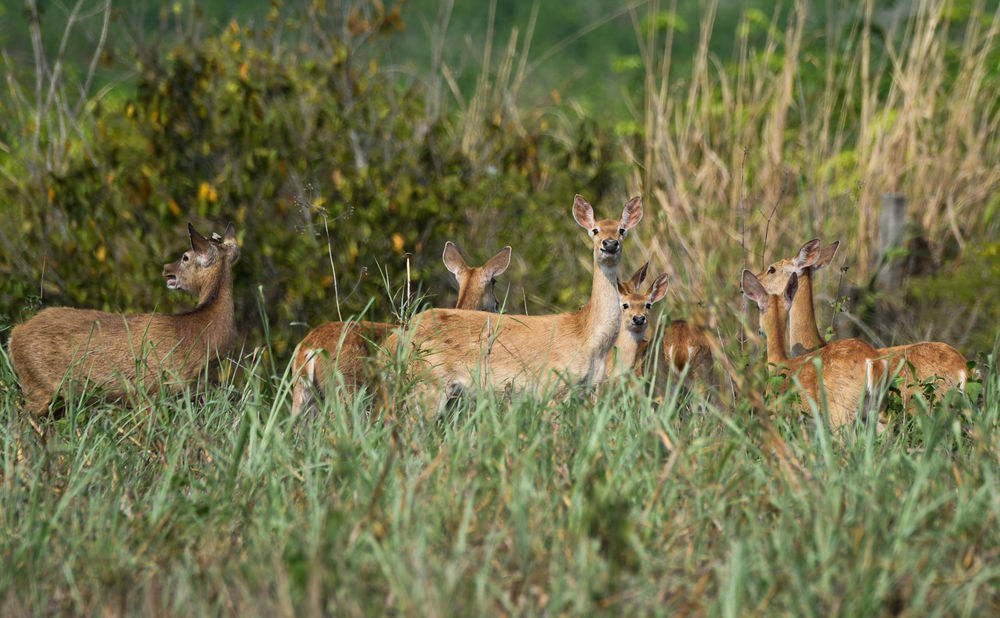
{"type": "Point", "coordinates": [366, 133]}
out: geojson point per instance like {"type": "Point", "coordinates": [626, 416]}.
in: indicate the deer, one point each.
{"type": "Point", "coordinates": [852, 370]}
{"type": "Point", "coordinates": [684, 347]}
{"type": "Point", "coordinates": [346, 347]}
{"type": "Point", "coordinates": [629, 350]}
{"type": "Point", "coordinates": [124, 353]}
{"type": "Point", "coordinates": [926, 362]}
{"type": "Point", "coordinates": [455, 348]}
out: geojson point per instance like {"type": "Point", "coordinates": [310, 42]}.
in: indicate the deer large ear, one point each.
{"type": "Point", "coordinates": [639, 276]}
{"type": "Point", "coordinates": [791, 289]}
{"type": "Point", "coordinates": [659, 288]}
{"type": "Point", "coordinates": [583, 212]}
{"type": "Point", "coordinates": [807, 255]}
{"type": "Point", "coordinates": [632, 213]}
{"type": "Point", "coordinates": [453, 259]}
{"type": "Point", "coordinates": [826, 255]}
{"type": "Point", "coordinates": [229, 242]}
{"type": "Point", "coordinates": [753, 290]}
{"type": "Point", "coordinates": [198, 242]}
{"type": "Point", "coordinates": [498, 263]}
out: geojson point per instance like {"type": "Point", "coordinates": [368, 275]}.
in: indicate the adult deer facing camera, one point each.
{"type": "Point", "coordinates": [455, 348]}
{"type": "Point", "coordinates": [345, 347]}
{"type": "Point", "coordinates": [124, 353]}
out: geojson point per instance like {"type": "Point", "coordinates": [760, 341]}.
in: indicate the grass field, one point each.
{"type": "Point", "coordinates": [221, 503]}
{"type": "Point", "coordinates": [218, 501]}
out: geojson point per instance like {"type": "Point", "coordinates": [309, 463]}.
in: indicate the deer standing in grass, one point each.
{"type": "Point", "coordinates": [121, 354]}
{"type": "Point", "coordinates": [346, 347]}
{"type": "Point", "coordinates": [931, 362]}
{"type": "Point", "coordinates": [684, 347]}
{"type": "Point", "coordinates": [455, 349]}
{"type": "Point", "coordinates": [851, 369]}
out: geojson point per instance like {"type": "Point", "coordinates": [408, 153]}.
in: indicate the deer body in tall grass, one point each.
{"type": "Point", "coordinates": [851, 369]}
{"type": "Point", "coordinates": [456, 349]}
{"type": "Point", "coordinates": [931, 363]}
{"type": "Point", "coordinates": [345, 348]}
{"type": "Point", "coordinates": [63, 347]}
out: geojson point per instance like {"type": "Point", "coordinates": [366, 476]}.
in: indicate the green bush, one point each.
{"type": "Point", "coordinates": [296, 133]}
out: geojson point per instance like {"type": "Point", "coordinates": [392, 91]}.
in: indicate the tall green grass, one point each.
{"type": "Point", "coordinates": [223, 503]}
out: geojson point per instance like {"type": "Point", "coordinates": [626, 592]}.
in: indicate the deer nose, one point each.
{"type": "Point", "coordinates": [610, 245]}
{"type": "Point", "coordinates": [639, 320]}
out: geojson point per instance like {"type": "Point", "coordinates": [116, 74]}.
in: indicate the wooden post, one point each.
{"type": "Point", "coordinates": [891, 227]}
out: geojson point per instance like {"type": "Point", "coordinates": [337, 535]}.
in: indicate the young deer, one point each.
{"type": "Point", "coordinates": [124, 353]}
{"type": "Point", "coordinates": [454, 347]}
{"type": "Point", "coordinates": [851, 369]}
{"type": "Point", "coordinates": [630, 348]}
{"type": "Point", "coordinates": [683, 347]}
{"type": "Point", "coordinates": [928, 361]}
{"type": "Point", "coordinates": [346, 347]}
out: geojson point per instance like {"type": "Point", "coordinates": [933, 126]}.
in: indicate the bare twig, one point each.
{"type": "Point", "coordinates": [329, 251]}
{"type": "Point", "coordinates": [767, 226]}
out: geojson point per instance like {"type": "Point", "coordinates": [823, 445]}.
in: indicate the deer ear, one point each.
{"type": "Point", "coordinates": [453, 259]}
{"type": "Point", "coordinates": [826, 255]}
{"type": "Point", "coordinates": [198, 242]}
{"type": "Point", "coordinates": [230, 244]}
{"type": "Point", "coordinates": [498, 263]}
{"type": "Point", "coordinates": [230, 237]}
{"type": "Point", "coordinates": [659, 288]}
{"type": "Point", "coordinates": [753, 290]}
{"type": "Point", "coordinates": [639, 276]}
{"type": "Point", "coordinates": [791, 289]}
{"type": "Point", "coordinates": [632, 213]}
{"type": "Point", "coordinates": [625, 287]}
{"type": "Point", "coordinates": [583, 212]}
{"type": "Point", "coordinates": [807, 255]}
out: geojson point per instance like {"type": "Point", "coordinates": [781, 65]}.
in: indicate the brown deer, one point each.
{"type": "Point", "coordinates": [121, 354]}
{"type": "Point", "coordinates": [346, 347]}
{"type": "Point", "coordinates": [456, 348]}
{"type": "Point", "coordinates": [629, 350]}
{"type": "Point", "coordinates": [852, 370]}
{"type": "Point", "coordinates": [684, 347]}
{"type": "Point", "coordinates": [927, 362]}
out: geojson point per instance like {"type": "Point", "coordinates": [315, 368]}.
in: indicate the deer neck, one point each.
{"type": "Point", "coordinates": [629, 346]}
{"type": "Point", "coordinates": [775, 330]}
{"type": "Point", "coordinates": [216, 299]}
{"type": "Point", "coordinates": [602, 311]}
{"type": "Point", "coordinates": [803, 332]}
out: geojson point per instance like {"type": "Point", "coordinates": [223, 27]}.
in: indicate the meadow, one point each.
{"type": "Point", "coordinates": [346, 170]}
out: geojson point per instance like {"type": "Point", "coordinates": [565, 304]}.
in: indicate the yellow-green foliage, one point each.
{"type": "Point", "coordinates": [303, 140]}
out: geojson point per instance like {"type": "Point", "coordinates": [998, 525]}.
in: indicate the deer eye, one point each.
{"type": "Point", "coordinates": [649, 305]}
{"type": "Point", "coordinates": [185, 258]}
{"type": "Point", "coordinates": [624, 305]}
{"type": "Point", "coordinates": [594, 231]}
{"type": "Point", "coordinates": [770, 270]}
{"type": "Point", "coordinates": [622, 231]}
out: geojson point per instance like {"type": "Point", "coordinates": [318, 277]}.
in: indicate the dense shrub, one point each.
{"type": "Point", "coordinates": [296, 133]}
